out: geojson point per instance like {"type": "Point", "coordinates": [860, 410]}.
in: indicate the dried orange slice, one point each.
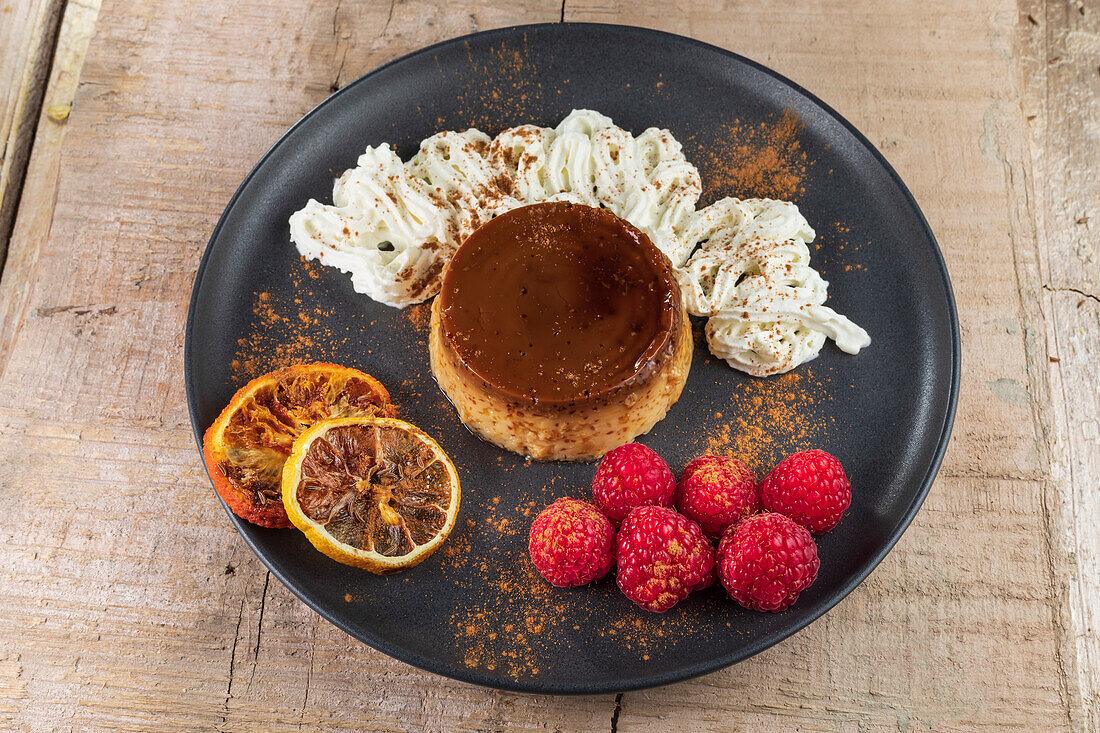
{"type": "Point", "coordinates": [376, 493]}
{"type": "Point", "coordinates": [246, 446]}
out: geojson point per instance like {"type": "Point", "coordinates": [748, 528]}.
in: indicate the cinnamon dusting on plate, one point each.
{"type": "Point", "coordinates": [767, 419]}
{"type": "Point", "coordinates": [765, 160]}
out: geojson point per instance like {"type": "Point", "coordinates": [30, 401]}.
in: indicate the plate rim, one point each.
{"type": "Point", "coordinates": [474, 676]}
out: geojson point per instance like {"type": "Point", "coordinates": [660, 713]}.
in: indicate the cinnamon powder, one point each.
{"type": "Point", "coordinates": [504, 87]}
{"type": "Point", "coordinates": [767, 419]}
{"type": "Point", "coordinates": [765, 160]}
{"type": "Point", "coordinates": [284, 331]}
{"type": "Point", "coordinates": [513, 621]}
{"type": "Point", "coordinates": [419, 315]}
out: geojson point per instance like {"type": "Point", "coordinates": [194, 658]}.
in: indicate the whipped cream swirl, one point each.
{"type": "Point", "coordinates": [751, 274]}
{"type": "Point", "coordinates": [386, 228]}
{"type": "Point", "coordinates": [393, 226]}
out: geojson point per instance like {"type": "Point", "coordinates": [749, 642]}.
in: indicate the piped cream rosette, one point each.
{"type": "Point", "coordinates": [751, 274]}
{"type": "Point", "coordinates": [391, 223]}
{"type": "Point", "coordinates": [745, 264]}
{"type": "Point", "coordinates": [386, 228]}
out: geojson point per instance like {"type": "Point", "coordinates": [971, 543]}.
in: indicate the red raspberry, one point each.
{"type": "Point", "coordinates": [809, 487]}
{"type": "Point", "coordinates": [571, 543]}
{"type": "Point", "coordinates": [630, 476]}
{"type": "Point", "coordinates": [766, 560]}
{"type": "Point", "coordinates": [717, 492]}
{"type": "Point", "coordinates": [662, 556]}
{"type": "Point", "coordinates": [704, 460]}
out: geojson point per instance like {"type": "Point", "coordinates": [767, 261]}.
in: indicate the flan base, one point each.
{"type": "Point", "coordinates": [575, 433]}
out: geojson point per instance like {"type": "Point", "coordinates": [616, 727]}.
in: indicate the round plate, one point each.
{"type": "Point", "coordinates": [475, 610]}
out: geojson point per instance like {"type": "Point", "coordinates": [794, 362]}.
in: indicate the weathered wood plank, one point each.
{"type": "Point", "coordinates": [1075, 383]}
{"type": "Point", "coordinates": [27, 32]}
{"type": "Point", "coordinates": [1060, 44]}
{"type": "Point", "coordinates": [1063, 105]}
{"type": "Point", "coordinates": [32, 226]}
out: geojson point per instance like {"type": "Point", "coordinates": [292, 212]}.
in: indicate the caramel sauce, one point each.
{"type": "Point", "coordinates": [558, 302]}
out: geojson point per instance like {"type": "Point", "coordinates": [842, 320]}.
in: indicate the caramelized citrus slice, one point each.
{"type": "Point", "coordinates": [246, 446]}
{"type": "Point", "coordinates": [376, 493]}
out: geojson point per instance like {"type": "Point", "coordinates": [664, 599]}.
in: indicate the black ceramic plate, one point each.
{"type": "Point", "coordinates": [475, 611]}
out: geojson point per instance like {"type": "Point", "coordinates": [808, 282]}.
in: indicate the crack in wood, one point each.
{"type": "Point", "coordinates": [260, 624]}
{"type": "Point", "coordinates": [389, 17]}
{"type": "Point", "coordinates": [1065, 289]}
{"type": "Point", "coordinates": [618, 702]}
{"type": "Point", "coordinates": [335, 85]}
{"type": "Point", "coordinates": [988, 476]}
{"type": "Point", "coordinates": [309, 676]}
{"type": "Point", "coordinates": [232, 663]}
{"type": "Point", "coordinates": [76, 310]}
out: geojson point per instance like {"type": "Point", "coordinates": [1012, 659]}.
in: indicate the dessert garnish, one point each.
{"type": "Point", "coordinates": [247, 444]}
{"type": "Point", "coordinates": [743, 263]}
{"type": "Point", "coordinates": [766, 560]}
{"type": "Point", "coordinates": [631, 476]}
{"type": "Point", "coordinates": [376, 493]}
{"type": "Point", "coordinates": [662, 556]}
{"type": "Point", "coordinates": [810, 487]}
{"type": "Point", "coordinates": [387, 228]}
{"type": "Point", "coordinates": [571, 543]}
{"type": "Point", "coordinates": [751, 275]}
{"type": "Point", "coordinates": [717, 492]}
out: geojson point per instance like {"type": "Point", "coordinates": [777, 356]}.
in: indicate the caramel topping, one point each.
{"type": "Point", "coordinates": [558, 302]}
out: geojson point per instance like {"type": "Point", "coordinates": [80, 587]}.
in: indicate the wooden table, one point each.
{"type": "Point", "coordinates": [128, 601]}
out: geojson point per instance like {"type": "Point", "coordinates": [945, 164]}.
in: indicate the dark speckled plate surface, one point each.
{"type": "Point", "coordinates": [474, 610]}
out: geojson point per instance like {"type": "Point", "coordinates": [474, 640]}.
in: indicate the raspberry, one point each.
{"type": "Point", "coordinates": [630, 476]}
{"type": "Point", "coordinates": [766, 560]}
{"type": "Point", "coordinates": [809, 487]}
{"type": "Point", "coordinates": [704, 460]}
{"type": "Point", "coordinates": [571, 543]}
{"type": "Point", "coordinates": [717, 492]}
{"type": "Point", "coordinates": [662, 556]}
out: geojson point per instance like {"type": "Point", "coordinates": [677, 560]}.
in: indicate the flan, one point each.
{"type": "Point", "coordinates": [559, 332]}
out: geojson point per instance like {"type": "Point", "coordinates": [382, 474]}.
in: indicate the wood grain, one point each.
{"type": "Point", "coordinates": [1060, 47]}
{"type": "Point", "coordinates": [128, 602]}
{"type": "Point", "coordinates": [27, 31]}
{"type": "Point", "coordinates": [32, 226]}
